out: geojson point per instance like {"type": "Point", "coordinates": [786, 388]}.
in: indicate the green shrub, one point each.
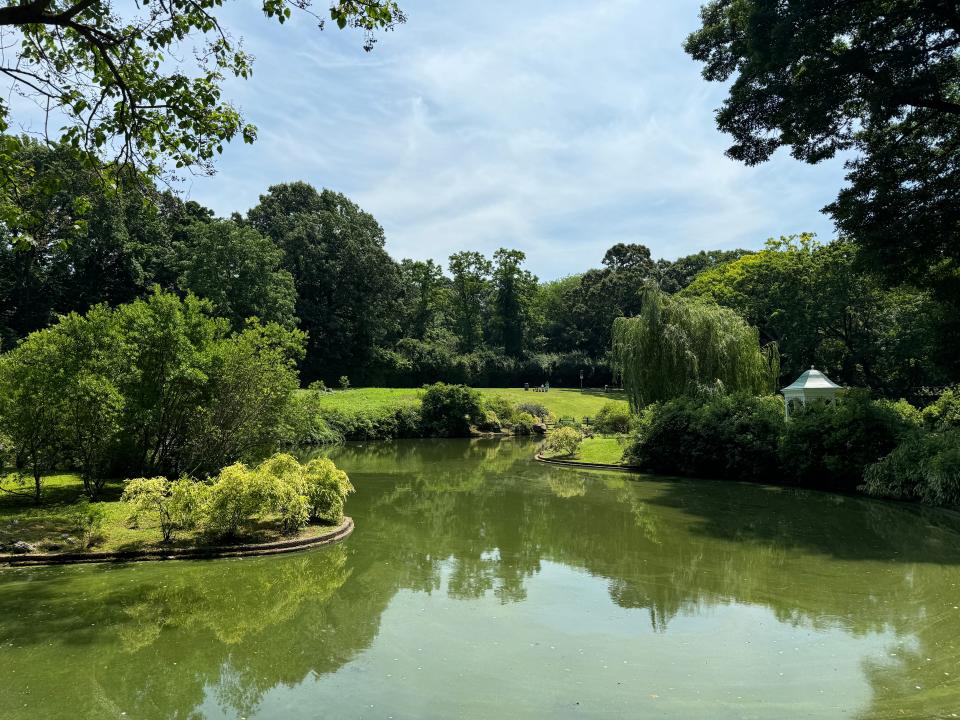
{"type": "Point", "coordinates": [490, 422]}
{"type": "Point", "coordinates": [501, 407]}
{"type": "Point", "coordinates": [944, 412]}
{"type": "Point", "coordinates": [535, 409]}
{"type": "Point", "coordinates": [175, 504]}
{"type": "Point", "coordinates": [563, 442]}
{"type": "Point", "coordinates": [524, 424]}
{"type": "Point", "coordinates": [344, 382]}
{"type": "Point", "coordinates": [327, 488]}
{"type": "Point", "coordinates": [87, 519]}
{"type": "Point", "coordinates": [280, 487]}
{"type": "Point", "coordinates": [830, 445]}
{"type": "Point", "coordinates": [304, 422]}
{"type": "Point", "coordinates": [384, 424]}
{"type": "Point", "coordinates": [613, 418]}
{"type": "Point", "coordinates": [232, 500]}
{"type": "Point", "coordinates": [723, 436]}
{"type": "Point", "coordinates": [450, 410]}
{"type": "Point", "coordinates": [925, 467]}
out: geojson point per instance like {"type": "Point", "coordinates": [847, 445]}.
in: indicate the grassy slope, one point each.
{"type": "Point", "coordinates": [21, 519]}
{"type": "Point", "coordinates": [608, 450]}
{"type": "Point", "coordinates": [561, 403]}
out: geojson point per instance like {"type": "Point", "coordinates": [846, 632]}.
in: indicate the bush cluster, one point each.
{"type": "Point", "coordinates": [154, 387]}
{"type": "Point", "coordinates": [279, 490]}
{"type": "Point", "coordinates": [882, 448]}
{"type": "Point", "coordinates": [612, 419]}
{"type": "Point", "coordinates": [415, 362]}
{"type": "Point", "coordinates": [926, 467]}
{"type": "Point", "coordinates": [830, 445]}
{"type": "Point", "coordinates": [726, 436]}
{"type": "Point", "coordinates": [563, 442]}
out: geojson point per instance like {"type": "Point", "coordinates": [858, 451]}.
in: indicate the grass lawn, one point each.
{"type": "Point", "coordinates": [605, 449]}
{"type": "Point", "coordinates": [561, 403]}
{"type": "Point", "coordinates": [608, 450]}
{"type": "Point", "coordinates": [21, 519]}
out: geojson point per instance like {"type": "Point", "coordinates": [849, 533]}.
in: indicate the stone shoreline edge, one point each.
{"type": "Point", "coordinates": [585, 465]}
{"type": "Point", "coordinates": [194, 553]}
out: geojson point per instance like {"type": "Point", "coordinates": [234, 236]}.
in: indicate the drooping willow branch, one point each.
{"type": "Point", "coordinates": [676, 346]}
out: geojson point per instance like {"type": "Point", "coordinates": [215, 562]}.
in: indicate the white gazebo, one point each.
{"type": "Point", "coordinates": [812, 385]}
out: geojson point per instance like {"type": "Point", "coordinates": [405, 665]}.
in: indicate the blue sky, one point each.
{"type": "Point", "coordinates": [552, 126]}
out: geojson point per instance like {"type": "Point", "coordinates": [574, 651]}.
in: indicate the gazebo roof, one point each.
{"type": "Point", "coordinates": [812, 379]}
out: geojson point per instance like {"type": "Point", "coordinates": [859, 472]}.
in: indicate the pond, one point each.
{"type": "Point", "coordinates": [481, 584]}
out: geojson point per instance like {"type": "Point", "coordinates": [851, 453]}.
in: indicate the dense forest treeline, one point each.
{"type": "Point", "coordinates": [316, 261]}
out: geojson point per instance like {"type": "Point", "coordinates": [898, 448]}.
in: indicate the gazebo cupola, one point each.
{"type": "Point", "coordinates": [813, 385]}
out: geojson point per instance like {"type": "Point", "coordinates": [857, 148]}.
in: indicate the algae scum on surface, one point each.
{"type": "Point", "coordinates": [481, 583]}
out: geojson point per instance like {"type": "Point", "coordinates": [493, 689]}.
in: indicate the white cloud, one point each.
{"type": "Point", "coordinates": [555, 127]}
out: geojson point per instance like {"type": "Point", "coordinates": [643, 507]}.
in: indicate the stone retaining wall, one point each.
{"type": "Point", "coordinates": [194, 553]}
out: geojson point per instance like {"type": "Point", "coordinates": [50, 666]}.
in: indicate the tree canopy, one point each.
{"type": "Point", "coordinates": [114, 73]}
{"type": "Point", "coordinates": [879, 79]}
{"type": "Point", "coordinates": [677, 346]}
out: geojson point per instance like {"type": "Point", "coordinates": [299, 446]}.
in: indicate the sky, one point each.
{"type": "Point", "coordinates": [551, 126]}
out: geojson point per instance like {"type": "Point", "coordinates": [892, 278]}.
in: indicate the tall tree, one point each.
{"type": "Point", "coordinates": [238, 270]}
{"type": "Point", "coordinates": [877, 78]}
{"type": "Point", "coordinates": [677, 346]}
{"type": "Point", "coordinates": [816, 303]}
{"type": "Point", "coordinates": [470, 294]}
{"type": "Point", "coordinates": [347, 285]}
{"type": "Point", "coordinates": [514, 290]}
{"type": "Point", "coordinates": [673, 276]}
{"type": "Point", "coordinates": [425, 297]}
{"type": "Point", "coordinates": [72, 241]}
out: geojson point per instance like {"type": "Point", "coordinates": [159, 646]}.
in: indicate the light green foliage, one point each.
{"type": "Point", "coordinates": [280, 487]}
{"type": "Point", "coordinates": [450, 410]}
{"type": "Point", "coordinates": [677, 346]}
{"type": "Point", "coordinates": [29, 404]}
{"type": "Point", "coordinates": [501, 407]}
{"type": "Point", "coordinates": [925, 467]}
{"type": "Point", "coordinates": [344, 382]}
{"type": "Point", "coordinates": [252, 380]}
{"type": "Point", "coordinates": [87, 520]}
{"type": "Point", "coordinates": [820, 308]}
{"type": "Point", "coordinates": [327, 490]}
{"type": "Point", "coordinates": [235, 496]}
{"type": "Point", "coordinates": [524, 423]}
{"type": "Point", "coordinates": [175, 504]}
{"type": "Point", "coordinates": [944, 412]}
{"type": "Point", "coordinates": [563, 442]}
{"type": "Point", "coordinates": [109, 70]}
{"type": "Point", "coordinates": [538, 410]}
{"type": "Point", "coordinates": [612, 418]}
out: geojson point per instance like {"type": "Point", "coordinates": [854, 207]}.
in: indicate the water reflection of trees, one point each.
{"type": "Point", "coordinates": [475, 519]}
{"type": "Point", "coordinates": [815, 560]}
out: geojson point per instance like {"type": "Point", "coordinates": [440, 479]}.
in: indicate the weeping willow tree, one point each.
{"type": "Point", "coordinates": [676, 346]}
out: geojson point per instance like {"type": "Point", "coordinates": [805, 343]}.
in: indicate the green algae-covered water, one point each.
{"type": "Point", "coordinates": [480, 584]}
